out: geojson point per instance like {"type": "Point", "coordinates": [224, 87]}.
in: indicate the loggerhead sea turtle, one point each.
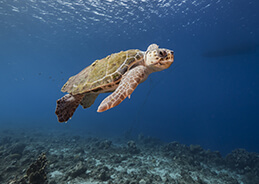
{"type": "Point", "coordinates": [120, 72]}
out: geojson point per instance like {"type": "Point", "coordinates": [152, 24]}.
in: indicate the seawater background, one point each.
{"type": "Point", "coordinates": [209, 96]}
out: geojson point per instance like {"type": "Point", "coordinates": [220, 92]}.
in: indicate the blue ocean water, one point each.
{"type": "Point", "coordinates": [209, 96]}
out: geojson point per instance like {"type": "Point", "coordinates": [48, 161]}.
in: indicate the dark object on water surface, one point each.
{"type": "Point", "coordinates": [238, 49]}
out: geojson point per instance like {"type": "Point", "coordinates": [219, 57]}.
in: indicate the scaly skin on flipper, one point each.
{"type": "Point", "coordinates": [127, 85]}
{"type": "Point", "coordinates": [66, 106]}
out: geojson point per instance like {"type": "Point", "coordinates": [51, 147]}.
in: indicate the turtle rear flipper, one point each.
{"type": "Point", "coordinates": [66, 106]}
{"type": "Point", "coordinates": [88, 100]}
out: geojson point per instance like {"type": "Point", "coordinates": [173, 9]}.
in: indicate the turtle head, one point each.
{"type": "Point", "coordinates": [158, 59]}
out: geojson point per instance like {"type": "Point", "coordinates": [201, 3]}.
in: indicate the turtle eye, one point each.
{"type": "Point", "coordinates": [161, 53]}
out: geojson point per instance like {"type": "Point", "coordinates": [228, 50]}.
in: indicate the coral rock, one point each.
{"type": "Point", "coordinates": [36, 172]}
{"type": "Point", "coordinates": [78, 170]}
{"type": "Point", "coordinates": [132, 148]}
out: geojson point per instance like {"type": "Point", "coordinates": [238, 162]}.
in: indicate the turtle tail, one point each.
{"type": "Point", "coordinates": [66, 106]}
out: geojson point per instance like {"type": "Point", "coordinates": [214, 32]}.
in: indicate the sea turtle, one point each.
{"type": "Point", "coordinates": [120, 72]}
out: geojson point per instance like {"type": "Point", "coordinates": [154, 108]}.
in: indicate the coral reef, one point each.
{"type": "Point", "coordinates": [144, 160]}
{"type": "Point", "coordinates": [132, 148]}
{"type": "Point", "coordinates": [35, 174]}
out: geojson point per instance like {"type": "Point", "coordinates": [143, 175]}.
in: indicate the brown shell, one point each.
{"type": "Point", "coordinates": [103, 74]}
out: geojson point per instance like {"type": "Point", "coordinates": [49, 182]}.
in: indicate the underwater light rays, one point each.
{"type": "Point", "coordinates": [130, 15]}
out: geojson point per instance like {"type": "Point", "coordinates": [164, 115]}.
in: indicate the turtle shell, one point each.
{"type": "Point", "coordinates": [103, 75]}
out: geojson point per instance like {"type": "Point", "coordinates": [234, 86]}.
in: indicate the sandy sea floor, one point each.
{"type": "Point", "coordinates": [65, 158]}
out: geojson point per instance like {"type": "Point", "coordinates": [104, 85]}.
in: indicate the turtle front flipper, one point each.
{"type": "Point", "coordinates": [127, 85]}
{"type": "Point", "coordinates": [66, 106]}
